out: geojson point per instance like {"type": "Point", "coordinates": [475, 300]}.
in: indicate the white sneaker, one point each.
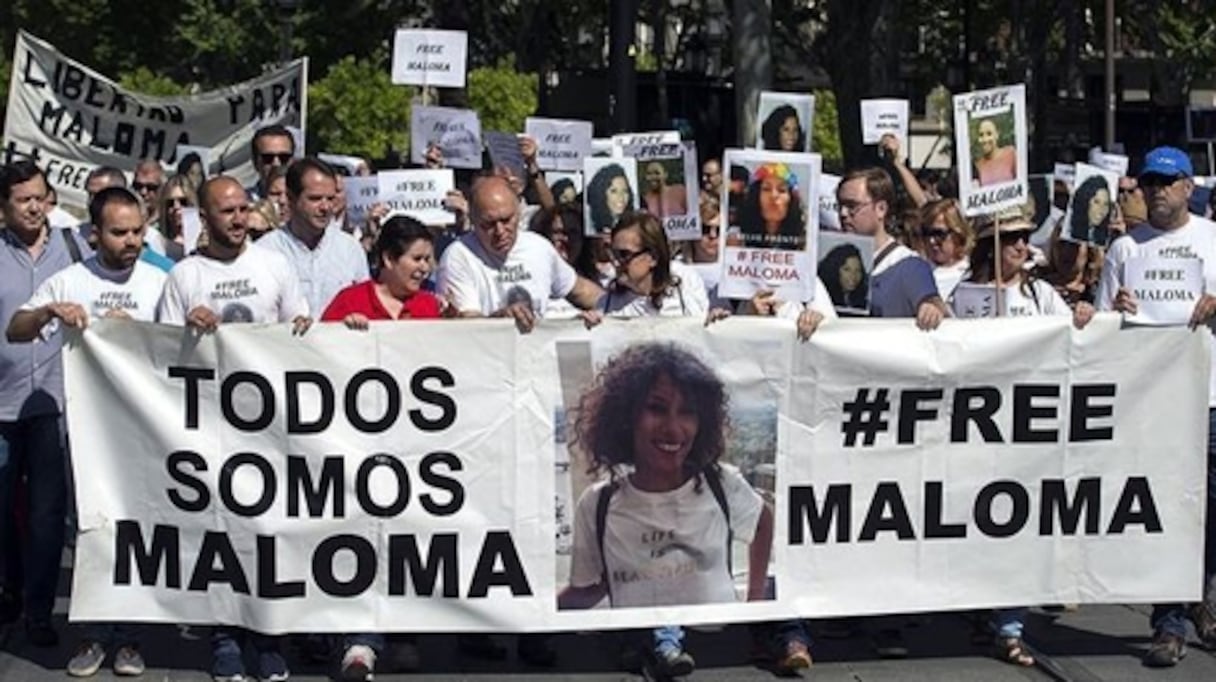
{"type": "Point", "coordinates": [358, 663]}
{"type": "Point", "coordinates": [87, 660]}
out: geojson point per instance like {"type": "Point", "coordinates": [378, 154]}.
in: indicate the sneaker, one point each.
{"type": "Point", "coordinates": [797, 657]}
{"type": "Point", "coordinates": [87, 660]}
{"type": "Point", "coordinates": [358, 663]}
{"type": "Point", "coordinates": [272, 667]}
{"type": "Point", "coordinates": [889, 643]}
{"type": "Point", "coordinates": [128, 662]}
{"type": "Point", "coordinates": [1167, 649]}
{"type": "Point", "coordinates": [674, 663]}
{"type": "Point", "coordinates": [480, 645]}
{"type": "Point", "coordinates": [41, 634]}
{"type": "Point", "coordinates": [536, 650]}
{"type": "Point", "coordinates": [1204, 617]}
{"type": "Point", "coordinates": [227, 666]}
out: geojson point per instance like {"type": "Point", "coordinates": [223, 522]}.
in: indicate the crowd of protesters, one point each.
{"type": "Point", "coordinates": [517, 249]}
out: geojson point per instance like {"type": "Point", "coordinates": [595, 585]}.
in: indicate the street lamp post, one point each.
{"type": "Point", "coordinates": [287, 9]}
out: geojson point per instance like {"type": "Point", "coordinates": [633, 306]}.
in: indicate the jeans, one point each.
{"type": "Point", "coordinates": [1008, 623]}
{"type": "Point", "coordinates": [668, 638]}
{"type": "Point", "coordinates": [1171, 618]}
{"type": "Point", "coordinates": [34, 447]}
{"type": "Point", "coordinates": [113, 634]}
{"type": "Point", "coordinates": [226, 647]}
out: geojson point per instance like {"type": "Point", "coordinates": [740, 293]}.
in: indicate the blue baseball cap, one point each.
{"type": "Point", "coordinates": [1170, 161]}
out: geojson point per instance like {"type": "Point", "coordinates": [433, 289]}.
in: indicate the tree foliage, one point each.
{"type": "Point", "coordinates": [825, 132]}
{"type": "Point", "coordinates": [356, 109]}
{"type": "Point", "coordinates": [144, 80]}
{"type": "Point", "coordinates": [502, 97]}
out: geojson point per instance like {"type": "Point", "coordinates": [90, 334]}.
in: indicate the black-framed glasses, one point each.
{"type": "Point", "coordinates": [271, 157]}
{"type": "Point", "coordinates": [852, 207]}
{"type": "Point", "coordinates": [1009, 238]}
{"type": "Point", "coordinates": [624, 257]}
{"type": "Point", "coordinates": [1157, 180]}
{"type": "Point", "coordinates": [932, 234]}
{"type": "Point", "coordinates": [145, 186]}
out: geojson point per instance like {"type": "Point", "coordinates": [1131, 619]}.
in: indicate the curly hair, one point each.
{"type": "Point", "coordinates": [1079, 227]}
{"type": "Point", "coordinates": [610, 407]}
{"type": "Point", "coordinates": [597, 195]}
{"type": "Point", "coordinates": [770, 131]}
{"type": "Point", "coordinates": [829, 274]}
{"type": "Point", "coordinates": [792, 231]}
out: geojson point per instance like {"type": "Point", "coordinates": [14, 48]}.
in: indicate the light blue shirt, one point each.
{"type": "Point", "coordinates": [337, 262]}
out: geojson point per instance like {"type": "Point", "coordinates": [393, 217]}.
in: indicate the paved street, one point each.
{"type": "Point", "coordinates": [1094, 643]}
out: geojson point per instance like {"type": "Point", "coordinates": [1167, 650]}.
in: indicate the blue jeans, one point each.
{"type": "Point", "coordinates": [226, 647]}
{"type": "Point", "coordinates": [113, 634]}
{"type": "Point", "coordinates": [1008, 622]}
{"type": "Point", "coordinates": [668, 638]}
{"type": "Point", "coordinates": [1171, 618]}
{"type": "Point", "coordinates": [34, 447]}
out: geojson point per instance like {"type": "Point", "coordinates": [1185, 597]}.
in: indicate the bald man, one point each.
{"type": "Point", "coordinates": [496, 271]}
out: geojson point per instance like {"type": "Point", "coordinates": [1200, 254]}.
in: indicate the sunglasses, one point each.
{"type": "Point", "coordinates": [282, 158]}
{"type": "Point", "coordinates": [1008, 238]}
{"type": "Point", "coordinates": [934, 234]}
{"type": "Point", "coordinates": [178, 201]}
{"type": "Point", "coordinates": [1155, 180]}
{"type": "Point", "coordinates": [624, 257]}
{"type": "Point", "coordinates": [145, 186]}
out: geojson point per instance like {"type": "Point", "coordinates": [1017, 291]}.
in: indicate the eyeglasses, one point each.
{"type": "Point", "coordinates": [934, 234]}
{"type": "Point", "coordinates": [145, 186]}
{"type": "Point", "coordinates": [178, 201]}
{"type": "Point", "coordinates": [624, 257]}
{"type": "Point", "coordinates": [852, 207]}
{"type": "Point", "coordinates": [1156, 180]}
{"type": "Point", "coordinates": [269, 158]}
{"type": "Point", "coordinates": [1010, 238]}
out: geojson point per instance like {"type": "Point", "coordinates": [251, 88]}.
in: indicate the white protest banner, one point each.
{"type": "Point", "coordinates": [560, 144]}
{"type": "Point", "coordinates": [845, 262]}
{"type": "Point", "coordinates": [990, 140]}
{"type": "Point", "coordinates": [362, 191]}
{"type": "Point", "coordinates": [1115, 163]}
{"type": "Point", "coordinates": [611, 189]}
{"type": "Point", "coordinates": [829, 208]}
{"type": "Point", "coordinates": [71, 119]}
{"type": "Point", "coordinates": [192, 227]}
{"type": "Point", "coordinates": [884, 117]}
{"type": "Point", "coordinates": [667, 174]}
{"type": "Point", "coordinates": [771, 237]}
{"type": "Point", "coordinates": [1091, 206]}
{"type": "Point", "coordinates": [505, 152]}
{"type": "Point", "coordinates": [342, 163]}
{"type": "Point", "coordinates": [456, 131]}
{"type": "Point", "coordinates": [785, 122]}
{"type": "Point", "coordinates": [430, 57]}
{"type": "Point", "coordinates": [418, 194]}
{"type": "Point", "coordinates": [1165, 289]}
{"type": "Point", "coordinates": [404, 478]}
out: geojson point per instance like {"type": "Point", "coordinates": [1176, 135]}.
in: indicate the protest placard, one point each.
{"type": "Point", "coordinates": [770, 241]}
{"type": "Point", "coordinates": [561, 144]}
{"type": "Point", "coordinates": [457, 132]}
{"type": "Point", "coordinates": [418, 194]}
{"type": "Point", "coordinates": [362, 191]}
{"type": "Point", "coordinates": [430, 57]}
{"type": "Point", "coordinates": [505, 152]}
{"type": "Point", "coordinates": [990, 140]}
{"type": "Point", "coordinates": [884, 117]}
{"type": "Point", "coordinates": [845, 265]}
{"type": "Point", "coordinates": [784, 122]}
{"type": "Point", "coordinates": [666, 168]}
{"type": "Point", "coordinates": [611, 189]}
{"type": "Point", "coordinates": [345, 164]}
{"type": "Point", "coordinates": [1165, 289]}
{"type": "Point", "coordinates": [1115, 163]}
{"type": "Point", "coordinates": [1091, 206]}
{"type": "Point", "coordinates": [829, 207]}
{"type": "Point", "coordinates": [192, 227]}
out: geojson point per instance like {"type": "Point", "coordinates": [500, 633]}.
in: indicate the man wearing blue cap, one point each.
{"type": "Point", "coordinates": [1172, 233]}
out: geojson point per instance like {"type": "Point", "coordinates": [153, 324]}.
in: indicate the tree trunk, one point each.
{"type": "Point", "coordinates": [752, 28]}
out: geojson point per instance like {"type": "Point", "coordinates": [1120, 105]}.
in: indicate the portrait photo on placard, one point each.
{"type": "Point", "coordinates": [669, 479]}
{"type": "Point", "coordinates": [1091, 206]}
{"type": "Point", "coordinates": [611, 189]}
{"type": "Point", "coordinates": [844, 268]}
{"type": "Point", "coordinates": [773, 210]}
{"type": "Point", "coordinates": [1037, 209]}
{"type": "Point", "coordinates": [990, 141]}
{"type": "Point", "coordinates": [784, 122]}
{"type": "Point", "coordinates": [566, 186]}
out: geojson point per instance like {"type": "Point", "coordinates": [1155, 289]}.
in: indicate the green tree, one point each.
{"type": "Point", "coordinates": [356, 109]}
{"type": "Point", "coordinates": [502, 97]}
{"type": "Point", "coordinates": [825, 133]}
{"type": "Point", "coordinates": [144, 80]}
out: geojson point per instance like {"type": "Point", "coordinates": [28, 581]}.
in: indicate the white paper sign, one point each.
{"type": "Point", "coordinates": [418, 194]}
{"type": "Point", "coordinates": [784, 121]}
{"type": "Point", "coordinates": [611, 189]}
{"type": "Point", "coordinates": [970, 300]}
{"type": "Point", "coordinates": [1115, 163]}
{"type": "Point", "coordinates": [430, 57]}
{"type": "Point", "coordinates": [1091, 206]}
{"type": "Point", "coordinates": [561, 144]}
{"type": "Point", "coordinates": [646, 145]}
{"type": "Point", "coordinates": [990, 140]}
{"type": "Point", "coordinates": [351, 164]}
{"type": "Point", "coordinates": [1065, 173]}
{"type": "Point", "coordinates": [829, 207]}
{"type": "Point", "coordinates": [1165, 289]}
{"type": "Point", "coordinates": [362, 191]}
{"type": "Point", "coordinates": [882, 117]}
{"type": "Point", "coordinates": [456, 131]}
{"type": "Point", "coordinates": [771, 239]}
{"type": "Point", "coordinates": [667, 180]}
{"type": "Point", "coordinates": [192, 227]}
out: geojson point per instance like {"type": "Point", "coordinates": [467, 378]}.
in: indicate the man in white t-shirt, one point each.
{"type": "Point", "coordinates": [114, 282]}
{"type": "Point", "coordinates": [111, 283]}
{"type": "Point", "coordinates": [497, 271]}
{"type": "Point", "coordinates": [325, 259]}
{"type": "Point", "coordinates": [230, 280]}
{"type": "Point", "coordinates": [1173, 233]}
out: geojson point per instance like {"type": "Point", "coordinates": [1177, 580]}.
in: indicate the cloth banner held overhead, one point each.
{"type": "Point", "coordinates": [435, 476]}
{"type": "Point", "coordinates": [71, 119]}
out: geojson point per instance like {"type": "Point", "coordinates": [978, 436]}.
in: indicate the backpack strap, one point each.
{"type": "Point", "coordinates": [73, 247]}
{"type": "Point", "coordinates": [601, 525]}
{"type": "Point", "coordinates": [714, 480]}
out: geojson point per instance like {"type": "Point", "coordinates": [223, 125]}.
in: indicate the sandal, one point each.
{"type": "Point", "coordinates": [1014, 651]}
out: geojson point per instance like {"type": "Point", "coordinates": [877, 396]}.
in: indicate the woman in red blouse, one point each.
{"type": "Point", "coordinates": [404, 256]}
